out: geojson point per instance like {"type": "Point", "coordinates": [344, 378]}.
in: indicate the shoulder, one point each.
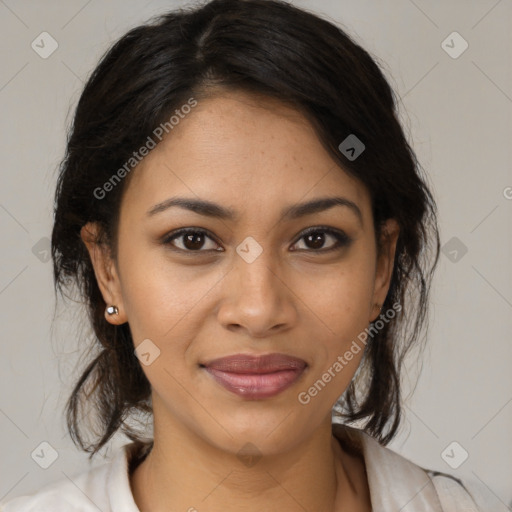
{"type": "Point", "coordinates": [470, 493]}
{"type": "Point", "coordinates": [105, 487]}
{"type": "Point", "coordinates": [397, 483]}
{"type": "Point", "coordinates": [84, 492]}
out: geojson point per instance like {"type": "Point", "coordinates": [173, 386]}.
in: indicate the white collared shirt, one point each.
{"type": "Point", "coordinates": [396, 485]}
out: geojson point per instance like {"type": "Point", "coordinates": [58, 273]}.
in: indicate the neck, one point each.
{"type": "Point", "coordinates": [184, 472]}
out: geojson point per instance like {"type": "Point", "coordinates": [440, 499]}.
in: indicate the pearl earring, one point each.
{"type": "Point", "coordinates": [112, 310]}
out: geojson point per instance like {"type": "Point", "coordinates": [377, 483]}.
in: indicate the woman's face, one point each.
{"type": "Point", "coordinates": [252, 284]}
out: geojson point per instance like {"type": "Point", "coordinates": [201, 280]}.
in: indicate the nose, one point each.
{"type": "Point", "coordinates": [257, 299]}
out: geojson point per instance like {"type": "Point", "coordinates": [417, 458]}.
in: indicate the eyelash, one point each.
{"type": "Point", "coordinates": [342, 240]}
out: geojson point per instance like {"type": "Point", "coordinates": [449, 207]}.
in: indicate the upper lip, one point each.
{"type": "Point", "coordinates": [248, 363]}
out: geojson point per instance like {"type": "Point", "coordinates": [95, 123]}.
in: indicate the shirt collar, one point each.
{"type": "Point", "coordinates": [395, 483]}
{"type": "Point", "coordinates": [118, 482]}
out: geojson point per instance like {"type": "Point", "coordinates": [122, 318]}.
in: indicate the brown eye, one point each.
{"type": "Point", "coordinates": [315, 238]}
{"type": "Point", "coordinates": [191, 240]}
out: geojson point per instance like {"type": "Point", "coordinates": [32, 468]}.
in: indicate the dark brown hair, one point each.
{"type": "Point", "coordinates": [267, 47]}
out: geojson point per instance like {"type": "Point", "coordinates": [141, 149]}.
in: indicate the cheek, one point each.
{"type": "Point", "coordinates": [341, 303]}
{"type": "Point", "coordinates": [342, 297]}
{"type": "Point", "coordinates": [154, 297]}
{"type": "Point", "coordinates": [339, 349]}
{"type": "Point", "coordinates": [164, 302]}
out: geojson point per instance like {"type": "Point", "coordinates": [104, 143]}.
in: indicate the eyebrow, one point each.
{"type": "Point", "coordinates": [210, 209]}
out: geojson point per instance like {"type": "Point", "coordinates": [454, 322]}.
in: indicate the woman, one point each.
{"type": "Point", "coordinates": [249, 229]}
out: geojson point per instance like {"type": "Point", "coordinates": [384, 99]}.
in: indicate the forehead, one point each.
{"type": "Point", "coordinates": [245, 151]}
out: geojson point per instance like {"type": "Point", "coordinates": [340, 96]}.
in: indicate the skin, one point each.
{"type": "Point", "coordinates": [255, 156]}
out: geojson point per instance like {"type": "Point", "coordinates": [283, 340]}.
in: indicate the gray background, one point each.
{"type": "Point", "coordinates": [457, 114]}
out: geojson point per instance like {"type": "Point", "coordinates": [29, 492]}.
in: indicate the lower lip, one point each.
{"type": "Point", "coordinates": [256, 386]}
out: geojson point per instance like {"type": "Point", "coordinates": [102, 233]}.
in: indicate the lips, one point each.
{"type": "Point", "coordinates": [244, 363]}
{"type": "Point", "coordinates": [256, 377]}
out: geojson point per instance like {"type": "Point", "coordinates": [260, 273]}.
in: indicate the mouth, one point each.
{"type": "Point", "coordinates": [256, 377]}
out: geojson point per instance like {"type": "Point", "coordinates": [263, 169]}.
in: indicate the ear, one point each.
{"type": "Point", "coordinates": [105, 271]}
{"type": "Point", "coordinates": [384, 267]}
